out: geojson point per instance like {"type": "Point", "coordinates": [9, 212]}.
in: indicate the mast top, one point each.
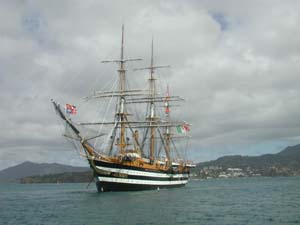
{"type": "Point", "coordinates": [122, 44]}
{"type": "Point", "coordinates": [152, 67]}
{"type": "Point", "coordinates": [121, 60]}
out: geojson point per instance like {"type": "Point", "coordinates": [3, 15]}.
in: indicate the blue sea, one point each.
{"type": "Point", "coordinates": [237, 201]}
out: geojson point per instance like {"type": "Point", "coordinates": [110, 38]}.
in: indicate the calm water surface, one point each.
{"type": "Point", "coordinates": [239, 201]}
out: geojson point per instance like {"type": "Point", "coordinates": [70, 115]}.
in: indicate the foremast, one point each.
{"type": "Point", "coordinates": [152, 116]}
{"type": "Point", "coordinates": [121, 113]}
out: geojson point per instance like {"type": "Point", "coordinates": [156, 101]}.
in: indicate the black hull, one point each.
{"type": "Point", "coordinates": [110, 186]}
{"type": "Point", "coordinates": [115, 177]}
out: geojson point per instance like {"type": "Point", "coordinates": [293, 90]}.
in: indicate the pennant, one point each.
{"type": "Point", "coordinates": [71, 109]}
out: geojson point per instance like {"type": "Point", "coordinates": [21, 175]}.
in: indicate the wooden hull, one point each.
{"type": "Point", "coordinates": [117, 177]}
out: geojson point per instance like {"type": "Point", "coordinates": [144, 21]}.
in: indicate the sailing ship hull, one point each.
{"type": "Point", "coordinates": [116, 186]}
{"type": "Point", "coordinates": [116, 177]}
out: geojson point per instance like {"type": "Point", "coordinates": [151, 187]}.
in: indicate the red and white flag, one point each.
{"type": "Point", "coordinates": [167, 99]}
{"type": "Point", "coordinates": [183, 128]}
{"type": "Point", "coordinates": [71, 109]}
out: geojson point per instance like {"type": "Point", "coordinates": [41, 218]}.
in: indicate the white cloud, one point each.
{"type": "Point", "coordinates": [236, 63]}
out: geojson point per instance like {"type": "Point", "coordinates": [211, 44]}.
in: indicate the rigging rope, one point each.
{"type": "Point", "coordinates": [107, 109]}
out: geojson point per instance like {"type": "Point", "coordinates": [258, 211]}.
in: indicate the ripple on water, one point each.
{"type": "Point", "coordinates": [259, 201]}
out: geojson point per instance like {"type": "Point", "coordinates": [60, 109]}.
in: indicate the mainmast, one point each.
{"type": "Point", "coordinates": [152, 106]}
{"type": "Point", "coordinates": [152, 99]}
{"type": "Point", "coordinates": [121, 113]}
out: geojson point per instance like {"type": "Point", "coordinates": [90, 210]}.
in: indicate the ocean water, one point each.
{"type": "Point", "coordinates": [239, 201]}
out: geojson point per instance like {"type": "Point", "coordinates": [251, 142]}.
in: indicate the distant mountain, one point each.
{"type": "Point", "coordinates": [14, 173]}
{"type": "Point", "coordinates": [287, 160]}
{"type": "Point", "coordinates": [69, 177]}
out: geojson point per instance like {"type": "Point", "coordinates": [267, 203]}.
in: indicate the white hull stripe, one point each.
{"type": "Point", "coordinates": [141, 173]}
{"type": "Point", "coordinates": [143, 182]}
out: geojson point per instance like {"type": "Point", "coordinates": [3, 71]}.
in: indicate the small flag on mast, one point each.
{"type": "Point", "coordinates": [71, 109]}
{"type": "Point", "coordinates": [183, 129]}
{"type": "Point", "coordinates": [167, 99]}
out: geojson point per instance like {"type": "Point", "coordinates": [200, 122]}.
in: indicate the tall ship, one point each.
{"type": "Point", "coordinates": [135, 144]}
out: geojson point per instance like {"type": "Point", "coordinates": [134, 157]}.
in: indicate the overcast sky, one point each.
{"type": "Point", "coordinates": [237, 63]}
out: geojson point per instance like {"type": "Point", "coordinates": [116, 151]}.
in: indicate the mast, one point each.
{"type": "Point", "coordinates": [122, 113]}
{"type": "Point", "coordinates": [151, 101]}
{"type": "Point", "coordinates": [152, 106]}
{"type": "Point", "coordinates": [167, 134]}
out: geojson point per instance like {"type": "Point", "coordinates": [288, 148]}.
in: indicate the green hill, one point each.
{"type": "Point", "coordinates": [286, 162]}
